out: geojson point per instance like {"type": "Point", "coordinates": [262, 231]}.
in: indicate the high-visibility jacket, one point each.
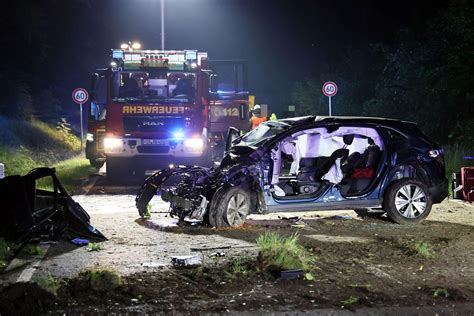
{"type": "Point", "coordinates": [257, 120]}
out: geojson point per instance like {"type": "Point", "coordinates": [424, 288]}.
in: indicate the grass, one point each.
{"type": "Point", "coordinates": [6, 251]}
{"type": "Point", "coordinates": [25, 145]}
{"type": "Point", "coordinates": [237, 269]}
{"type": "Point", "coordinates": [70, 173]}
{"type": "Point", "coordinates": [101, 280]}
{"type": "Point", "coordinates": [440, 293]}
{"type": "Point", "coordinates": [33, 250]}
{"type": "Point", "coordinates": [277, 252]}
{"type": "Point", "coordinates": [50, 283]}
{"type": "Point", "coordinates": [454, 160]}
{"type": "Point", "coordinates": [94, 246]}
{"type": "Point", "coordinates": [417, 248]}
{"type": "Point", "coordinates": [350, 301]}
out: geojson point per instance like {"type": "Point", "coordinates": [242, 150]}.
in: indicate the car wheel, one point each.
{"type": "Point", "coordinates": [96, 163]}
{"type": "Point", "coordinates": [407, 201]}
{"type": "Point", "coordinates": [230, 207]}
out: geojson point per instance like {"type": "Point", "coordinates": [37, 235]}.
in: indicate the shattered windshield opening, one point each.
{"type": "Point", "coordinates": [262, 133]}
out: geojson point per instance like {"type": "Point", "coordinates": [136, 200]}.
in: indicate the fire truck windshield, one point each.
{"type": "Point", "coordinates": [160, 86]}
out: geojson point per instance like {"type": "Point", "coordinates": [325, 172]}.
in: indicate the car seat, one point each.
{"type": "Point", "coordinates": [341, 153]}
{"type": "Point", "coordinates": [308, 167]}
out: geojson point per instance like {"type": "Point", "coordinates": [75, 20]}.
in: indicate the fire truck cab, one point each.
{"type": "Point", "coordinates": [153, 108]}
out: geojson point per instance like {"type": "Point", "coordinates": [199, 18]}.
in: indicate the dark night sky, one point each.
{"type": "Point", "coordinates": [284, 41]}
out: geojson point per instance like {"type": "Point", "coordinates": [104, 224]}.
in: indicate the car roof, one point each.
{"type": "Point", "coordinates": [393, 123]}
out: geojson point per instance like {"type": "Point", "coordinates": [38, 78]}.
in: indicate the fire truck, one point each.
{"type": "Point", "coordinates": [152, 108]}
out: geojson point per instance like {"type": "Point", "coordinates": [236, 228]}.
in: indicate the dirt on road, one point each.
{"type": "Point", "coordinates": [368, 265]}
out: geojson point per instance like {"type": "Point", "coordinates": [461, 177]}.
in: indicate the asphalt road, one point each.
{"type": "Point", "coordinates": [137, 245]}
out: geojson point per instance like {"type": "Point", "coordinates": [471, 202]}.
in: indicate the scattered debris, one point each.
{"type": "Point", "coordinates": [309, 276]}
{"type": "Point", "coordinates": [29, 213]}
{"type": "Point", "coordinates": [161, 225]}
{"type": "Point", "coordinates": [289, 218]}
{"type": "Point", "coordinates": [217, 254]}
{"type": "Point", "coordinates": [342, 217]}
{"type": "Point", "coordinates": [290, 274]}
{"type": "Point", "coordinates": [186, 261]}
{"type": "Point", "coordinates": [80, 241]}
{"type": "Point", "coordinates": [298, 225]}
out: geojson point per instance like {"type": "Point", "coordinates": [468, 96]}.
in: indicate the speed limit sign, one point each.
{"type": "Point", "coordinates": [80, 95]}
{"type": "Point", "coordinates": [329, 89]}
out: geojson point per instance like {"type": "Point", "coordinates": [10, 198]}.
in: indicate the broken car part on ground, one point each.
{"type": "Point", "coordinates": [309, 163]}
{"type": "Point", "coordinates": [28, 212]}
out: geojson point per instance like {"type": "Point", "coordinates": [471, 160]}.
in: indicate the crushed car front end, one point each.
{"type": "Point", "coordinates": [190, 189]}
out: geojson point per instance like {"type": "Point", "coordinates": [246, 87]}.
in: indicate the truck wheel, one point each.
{"type": "Point", "coordinates": [96, 163]}
{"type": "Point", "coordinates": [118, 170]}
{"type": "Point", "coordinates": [407, 201]}
{"type": "Point", "coordinates": [230, 207]}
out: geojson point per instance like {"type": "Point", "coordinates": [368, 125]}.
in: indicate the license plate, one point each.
{"type": "Point", "coordinates": [154, 142]}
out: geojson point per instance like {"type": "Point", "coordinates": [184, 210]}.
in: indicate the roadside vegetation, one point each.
{"type": "Point", "coordinates": [6, 252]}
{"type": "Point", "coordinates": [277, 253]}
{"type": "Point", "coordinates": [28, 144]}
{"type": "Point", "coordinates": [101, 280]}
{"type": "Point", "coordinates": [49, 283]}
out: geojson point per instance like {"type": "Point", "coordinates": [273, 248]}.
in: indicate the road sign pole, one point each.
{"type": "Point", "coordinates": [82, 130]}
{"type": "Point", "coordinates": [330, 107]}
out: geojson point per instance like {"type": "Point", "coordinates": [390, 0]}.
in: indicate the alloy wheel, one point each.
{"type": "Point", "coordinates": [237, 209]}
{"type": "Point", "coordinates": [410, 201]}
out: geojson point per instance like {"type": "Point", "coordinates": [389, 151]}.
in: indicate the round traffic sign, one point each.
{"type": "Point", "coordinates": [329, 88]}
{"type": "Point", "coordinates": [80, 95]}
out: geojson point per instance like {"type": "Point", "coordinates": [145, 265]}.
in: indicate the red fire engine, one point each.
{"type": "Point", "coordinates": [153, 108]}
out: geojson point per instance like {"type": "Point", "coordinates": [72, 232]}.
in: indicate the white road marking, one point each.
{"type": "Point", "coordinates": [27, 274]}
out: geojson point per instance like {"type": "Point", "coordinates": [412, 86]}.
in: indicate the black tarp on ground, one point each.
{"type": "Point", "coordinates": [27, 212]}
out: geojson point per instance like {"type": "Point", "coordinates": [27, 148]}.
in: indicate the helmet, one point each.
{"type": "Point", "coordinates": [256, 107]}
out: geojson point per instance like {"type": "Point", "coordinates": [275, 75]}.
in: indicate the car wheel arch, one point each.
{"type": "Point", "coordinates": [408, 171]}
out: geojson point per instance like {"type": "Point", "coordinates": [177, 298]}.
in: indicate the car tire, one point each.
{"type": "Point", "coordinates": [407, 201]}
{"type": "Point", "coordinates": [96, 163]}
{"type": "Point", "coordinates": [230, 207]}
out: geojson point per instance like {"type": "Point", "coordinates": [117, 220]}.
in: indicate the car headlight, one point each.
{"type": "Point", "coordinates": [90, 137]}
{"type": "Point", "coordinates": [194, 143]}
{"type": "Point", "coordinates": [112, 144]}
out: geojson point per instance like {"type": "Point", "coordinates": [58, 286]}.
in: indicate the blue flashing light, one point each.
{"type": "Point", "coordinates": [178, 134]}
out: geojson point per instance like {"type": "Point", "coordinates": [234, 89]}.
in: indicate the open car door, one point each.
{"type": "Point", "coordinates": [232, 134]}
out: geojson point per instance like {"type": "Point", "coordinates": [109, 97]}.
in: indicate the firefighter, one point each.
{"type": "Point", "coordinates": [257, 117]}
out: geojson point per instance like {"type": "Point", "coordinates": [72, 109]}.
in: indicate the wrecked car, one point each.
{"type": "Point", "coordinates": [30, 213]}
{"type": "Point", "coordinates": [309, 163]}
